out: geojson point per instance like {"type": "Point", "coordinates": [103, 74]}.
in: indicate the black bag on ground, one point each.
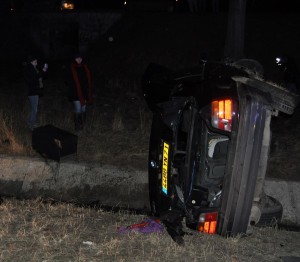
{"type": "Point", "coordinates": [53, 142]}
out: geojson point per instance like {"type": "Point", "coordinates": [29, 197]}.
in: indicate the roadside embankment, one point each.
{"type": "Point", "coordinates": [106, 185]}
{"type": "Point", "coordinates": [73, 182]}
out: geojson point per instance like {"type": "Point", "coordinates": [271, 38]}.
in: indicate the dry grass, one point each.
{"type": "Point", "coordinates": [116, 131]}
{"type": "Point", "coordinates": [8, 137]}
{"type": "Point", "coordinates": [31, 230]}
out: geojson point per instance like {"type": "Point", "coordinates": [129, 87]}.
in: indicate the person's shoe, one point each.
{"type": "Point", "coordinates": [31, 127]}
{"type": "Point", "coordinates": [83, 115]}
{"type": "Point", "coordinates": [34, 126]}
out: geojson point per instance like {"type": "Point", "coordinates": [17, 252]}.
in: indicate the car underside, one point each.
{"type": "Point", "coordinates": [209, 144]}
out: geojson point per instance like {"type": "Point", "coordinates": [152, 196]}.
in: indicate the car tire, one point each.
{"type": "Point", "coordinates": [271, 213]}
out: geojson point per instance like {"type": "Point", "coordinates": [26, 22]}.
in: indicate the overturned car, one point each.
{"type": "Point", "coordinates": [209, 145]}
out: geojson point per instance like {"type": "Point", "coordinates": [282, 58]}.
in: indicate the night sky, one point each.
{"type": "Point", "coordinates": [14, 7]}
{"type": "Point", "coordinates": [267, 6]}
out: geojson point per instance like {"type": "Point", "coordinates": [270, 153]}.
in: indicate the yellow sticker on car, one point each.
{"type": "Point", "coordinates": [165, 160]}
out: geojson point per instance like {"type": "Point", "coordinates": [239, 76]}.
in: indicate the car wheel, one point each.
{"type": "Point", "coordinates": [271, 213]}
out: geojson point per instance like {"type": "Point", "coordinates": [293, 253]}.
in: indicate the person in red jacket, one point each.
{"type": "Point", "coordinates": [80, 89]}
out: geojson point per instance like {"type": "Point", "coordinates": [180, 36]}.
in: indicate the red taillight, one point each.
{"type": "Point", "coordinates": [222, 114]}
{"type": "Point", "coordinates": [208, 222]}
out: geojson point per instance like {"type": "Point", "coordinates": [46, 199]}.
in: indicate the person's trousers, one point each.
{"type": "Point", "coordinates": [33, 103]}
{"type": "Point", "coordinates": [79, 115]}
{"type": "Point", "coordinates": [78, 108]}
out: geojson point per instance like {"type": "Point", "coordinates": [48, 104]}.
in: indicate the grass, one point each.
{"type": "Point", "coordinates": [117, 127]}
{"type": "Point", "coordinates": [8, 137]}
{"type": "Point", "coordinates": [32, 230]}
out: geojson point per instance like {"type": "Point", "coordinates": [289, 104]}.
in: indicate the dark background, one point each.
{"type": "Point", "coordinates": [147, 32]}
{"type": "Point", "coordinates": [268, 6]}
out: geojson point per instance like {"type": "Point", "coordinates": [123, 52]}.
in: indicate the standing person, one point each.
{"type": "Point", "coordinates": [80, 89]}
{"type": "Point", "coordinates": [33, 76]}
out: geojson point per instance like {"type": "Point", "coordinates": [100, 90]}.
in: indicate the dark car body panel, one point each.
{"type": "Point", "coordinates": [202, 82]}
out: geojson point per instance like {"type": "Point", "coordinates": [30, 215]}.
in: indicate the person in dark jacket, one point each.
{"type": "Point", "coordinates": [80, 89]}
{"type": "Point", "coordinates": [33, 77]}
